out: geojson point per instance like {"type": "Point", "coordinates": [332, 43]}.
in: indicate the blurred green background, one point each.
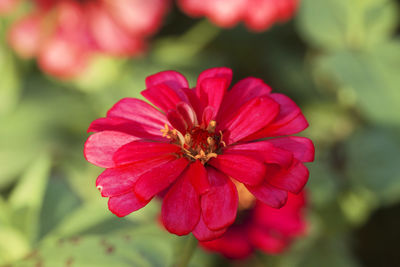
{"type": "Point", "coordinates": [338, 59]}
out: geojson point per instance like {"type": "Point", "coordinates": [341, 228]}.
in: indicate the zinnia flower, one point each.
{"type": "Point", "coordinates": [258, 15]}
{"type": "Point", "coordinates": [194, 147]}
{"type": "Point", "coordinates": [65, 34]}
{"type": "Point", "coordinates": [262, 227]}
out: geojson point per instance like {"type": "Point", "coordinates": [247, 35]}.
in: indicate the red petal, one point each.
{"type": "Point", "coordinates": [177, 121]}
{"type": "Point", "coordinates": [171, 78]}
{"type": "Point", "coordinates": [233, 244]}
{"type": "Point", "coordinates": [187, 113]}
{"type": "Point", "coordinates": [118, 181]}
{"type": "Point", "coordinates": [290, 120]}
{"type": "Point", "coordinates": [212, 91]}
{"type": "Point", "coordinates": [203, 233]}
{"type": "Point", "coordinates": [100, 147]}
{"type": "Point", "coordinates": [138, 151]}
{"type": "Point", "coordinates": [141, 112]}
{"type": "Point", "coordinates": [219, 205]}
{"type": "Point", "coordinates": [159, 178]}
{"type": "Point", "coordinates": [252, 116]}
{"type": "Point", "coordinates": [267, 242]}
{"type": "Point", "coordinates": [293, 179]}
{"type": "Point", "coordinates": [162, 96]}
{"type": "Point", "coordinates": [301, 147]}
{"type": "Point", "coordinates": [124, 204]}
{"type": "Point", "coordinates": [241, 93]}
{"type": "Point", "coordinates": [127, 126]}
{"type": "Point", "coordinates": [199, 177]}
{"type": "Point", "coordinates": [269, 195]}
{"type": "Point", "coordinates": [262, 150]}
{"type": "Point", "coordinates": [244, 169]}
{"type": "Point", "coordinates": [215, 73]}
{"type": "Point", "coordinates": [181, 206]}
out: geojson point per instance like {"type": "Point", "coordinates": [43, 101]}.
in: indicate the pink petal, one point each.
{"type": "Point", "coordinates": [199, 177]}
{"type": "Point", "coordinates": [140, 112]}
{"type": "Point", "coordinates": [252, 116]}
{"type": "Point", "coordinates": [293, 179]}
{"type": "Point", "coordinates": [241, 93]}
{"type": "Point", "coordinates": [126, 126]}
{"type": "Point", "coordinates": [244, 169]}
{"type": "Point", "coordinates": [212, 91]}
{"type": "Point", "coordinates": [138, 151]}
{"type": "Point", "coordinates": [221, 72]}
{"type": "Point", "coordinates": [290, 120]}
{"type": "Point", "coordinates": [100, 147]}
{"type": "Point", "coordinates": [124, 204]}
{"type": "Point", "coordinates": [181, 206]}
{"type": "Point", "coordinates": [208, 114]}
{"type": "Point", "coordinates": [108, 35]}
{"type": "Point", "coordinates": [219, 205]}
{"type": "Point", "coordinates": [301, 147]}
{"type": "Point", "coordinates": [203, 233]}
{"type": "Point", "coordinates": [120, 180]}
{"type": "Point", "coordinates": [162, 96]}
{"type": "Point", "coordinates": [172, 79]}
{"type": "Point", "coordinates": [159, 178]}
{"type": "Point", "coordinates": [262, 150]}
{"type": "Point", "coordinates": [269, 195]}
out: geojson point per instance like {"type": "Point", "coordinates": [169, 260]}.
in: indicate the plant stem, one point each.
{"type": "Point", "coordinates": [187, 251]}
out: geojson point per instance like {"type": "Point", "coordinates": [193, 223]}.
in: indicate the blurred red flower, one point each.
{"type": "Point", "coordinates": [192, 150]}
{"type": "Point", "coordinates": [7, 6]}
{"type": "Point", "coordinates": [64, 34]}
{"type": "Point", "coordinates": [262, 227]}
{"type": "Point", "coordinates": [258, 15]}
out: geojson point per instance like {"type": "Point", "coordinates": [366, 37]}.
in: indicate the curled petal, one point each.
{"type": "Point", "coordinates": [221, 72]}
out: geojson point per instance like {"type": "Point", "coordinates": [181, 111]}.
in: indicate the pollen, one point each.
{"type": "Point", "coordinates": [198, 143]}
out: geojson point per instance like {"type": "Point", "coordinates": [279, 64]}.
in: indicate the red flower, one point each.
{"type": "Point", "coordinates": [258, 15]}
{"type": "Point", "coordinates": [65, 34]}
{"type": "Point", "coordinates": [267, 229]}
{"type": "Point", "coordinates": [201, 140]}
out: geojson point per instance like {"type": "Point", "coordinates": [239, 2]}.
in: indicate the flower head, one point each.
{"type": "Point", "coordinates": [258, 15]}
{"type": "Point", "coordinates": [65, 34]}
{"type": "Point", "coordinates": [262, 227]}
{"type": "Point", "coordinates": [198, 148]}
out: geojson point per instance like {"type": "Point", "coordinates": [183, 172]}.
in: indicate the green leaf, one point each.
{"type": "Point", "coordinates": [145, 247]}
{"type": "Point", "coordinates": [335, 24]}
{"type": "Point", "coordinates": [13, 245]}
{"type": "Point", "coordinates": [373, 163]}
{"type": "Point", "coordinates": [26, 199]}
{"type": "Point", "coordinates": [372, 76]}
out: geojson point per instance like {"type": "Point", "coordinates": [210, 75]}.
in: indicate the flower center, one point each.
{"type": "Point", "coordinates": [198, 143]}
